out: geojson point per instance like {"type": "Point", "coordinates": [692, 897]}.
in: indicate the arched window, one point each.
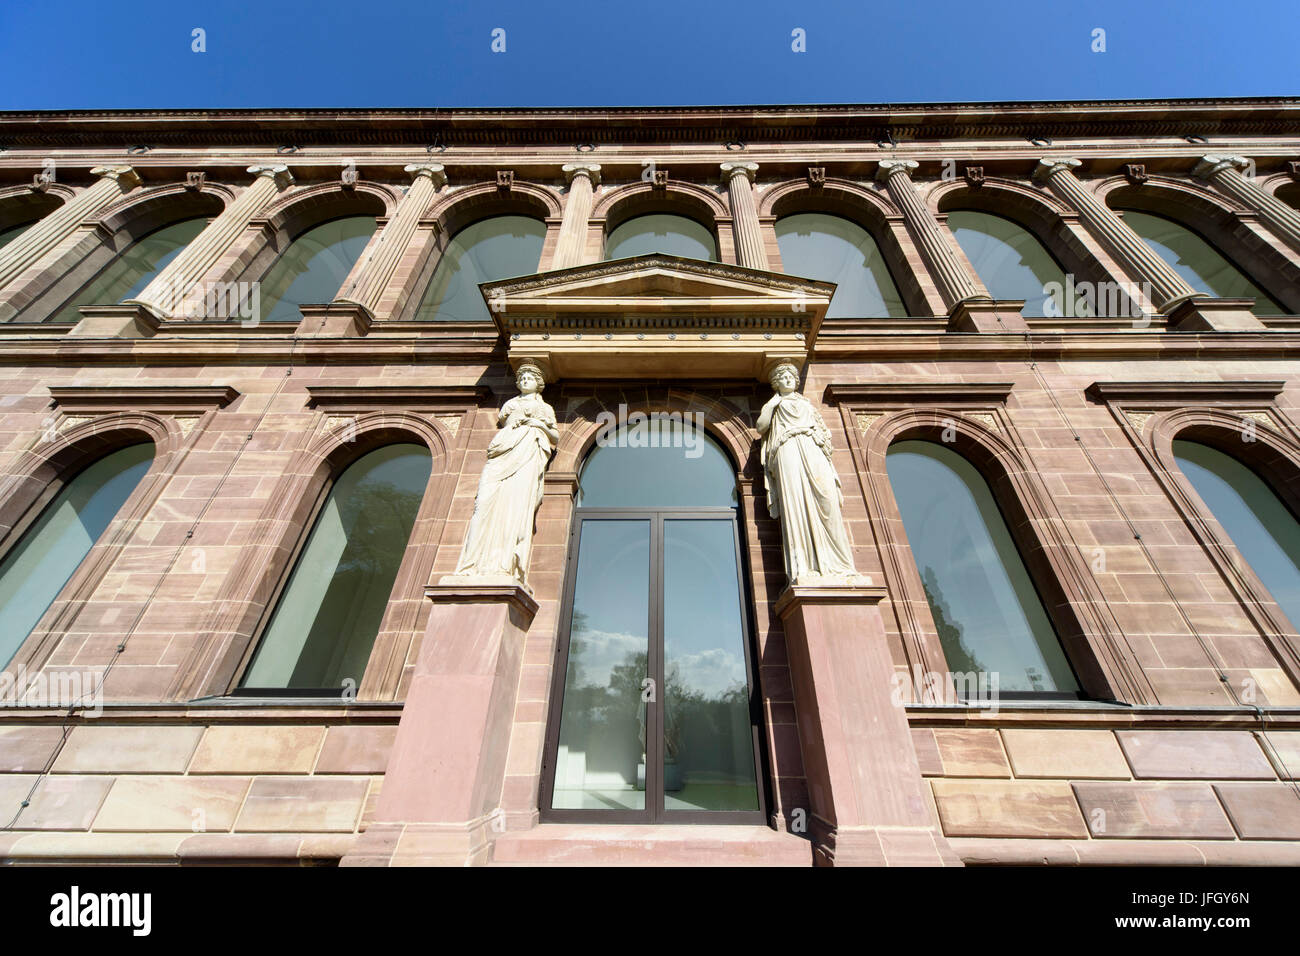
{"type": "Point", "coordinates": [820, 246]}
{"type": "Point", "coordinates": [654, 598]}
{"type": "Point", "coordinates": [48, 553]}
{"type": "Point", "coordinates": [1011, 262]}
{"type": "Point", "coordinates": [661, 232]}
{"type": "Point", "coordinates": [1199, 264]}
{"type": "Point", "coordinates": [1263, 529]}
{"type": "Point", "coordinates": [328, 615]}
{"type": "Point", "coordinates": [988, 614]}
{"type": "Point", "coordinates": [10, 233]}
{"type": "Point", "coordinates": [127, 275]}
{"type": "Point", "coordinates": [312, 270]}
{"type": "Point", "coordinates": [489, 250]}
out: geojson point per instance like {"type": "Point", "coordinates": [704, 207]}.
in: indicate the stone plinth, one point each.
{"type": "Point", "coordinates": [987, 315]}
{"type": "Point", "coordinates": [444, 775]}
{"type": "Point", "coordinates": [347, 319]}
{"type": "Point", "coordinates": [1202, 313]}
{"type": "Point", "coordinates": [115, 322]}
{"type": "Point", "coordinates": [869, 803]}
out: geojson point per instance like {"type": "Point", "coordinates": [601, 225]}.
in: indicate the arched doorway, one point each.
{"type": "Point", "coordinates": [654, 713]}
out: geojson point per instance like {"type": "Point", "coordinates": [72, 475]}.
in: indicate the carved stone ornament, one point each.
{"type": "Point", "coordinates": [803, 489]}
{"type": "Point", "coordinates": [500, 533]}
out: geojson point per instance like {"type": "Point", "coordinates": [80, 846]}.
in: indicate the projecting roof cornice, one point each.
{"type": "Point", "coordinates": [662, 316]}
{"type": "Point", "coordinates": [439, 129]}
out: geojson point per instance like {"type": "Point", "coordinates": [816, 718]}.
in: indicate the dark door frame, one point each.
{"type": "Point", "coordinates": [654, 812]}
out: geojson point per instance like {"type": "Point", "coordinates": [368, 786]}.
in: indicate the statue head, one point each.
{"type": "Point", "coordinates": [784, 378]}
{"type": "Point", "coordinates": [529, 378]}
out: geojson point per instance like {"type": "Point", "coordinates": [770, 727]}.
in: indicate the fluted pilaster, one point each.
{"type": "Point", "coordinates": [950, 274]}
{"type": "Point", "coordinates": [582, 178]}
{"type": "Point", "coordinates": [1223, 172]}
{"type": "Point", "coordinates": [369, 287]}
{"type": "Point", "coordinates": [176, 290]}
{"type": "Point", "coordinates": [739, 178]}
{"type": "Point", "coordinates": [42, 237]}
{"type": "Point", "coordinates": [1168, 287]}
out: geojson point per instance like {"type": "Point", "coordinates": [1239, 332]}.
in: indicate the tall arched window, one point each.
{"type": "Point", "coordinates": [10, 233]}
{"type": "Point", "coordinates": [127, 275]}
{"type": "Point", "coordinates": [489, 250]}
{"type": "Point", "coordinates": [988, 614]}
{"type": "Point", "coordinates": [328, 615]}
{"type": "Point", "coordinates": [820, 246]}
{"type": "Point", "coordinates": [1010, 261]}
{"type": "Point", "coordinates": [312, 270]}
{"type": "Point", "coordinates": [1199, 264]}
{"type": "Point", "coordinates": [664, 233]}
{"type": "Point", "coordinates": [35, 569]}
{"type": "Point", "coordinates": [1259, 524]}
{"type": "Point", "coordinates": [654, 598]}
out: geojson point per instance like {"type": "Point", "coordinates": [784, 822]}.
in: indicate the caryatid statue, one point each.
{"type": "Point", "coordinates": [803, 490]}
{"type": "Point", "coordinates": [500, 533]}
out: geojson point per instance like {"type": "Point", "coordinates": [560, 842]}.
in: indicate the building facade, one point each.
{"type": "Point", "coordinates": [1012, 582]}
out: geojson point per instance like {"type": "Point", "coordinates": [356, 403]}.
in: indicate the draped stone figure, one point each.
{"type": "Point", "coordinates": [500, 533]}
{"type": "Point", "coordinates": [803, 490]}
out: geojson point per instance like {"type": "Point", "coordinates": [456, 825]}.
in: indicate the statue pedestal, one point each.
{"type": "Point", "coordinates": [869, 802]}
{"type": "Point", "coordinates": [445, 773]}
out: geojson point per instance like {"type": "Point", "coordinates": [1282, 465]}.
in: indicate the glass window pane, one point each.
{"type": "Point", "coordinates": [35, 570]}
{"type": "Point", "coordinates": [656, 464]}
{"type": "Point", "coordinates": [990, 618]}
{"type": "Point", "coordinates": [13, 232]}
{"type": "Point", "coordinates": [498, 248]}
{"type": "Point", "coordinates": [663, 233]}
{"type": "Point", "coordinates": [600, 760]}
{"type": "Point", "coordinates": [325, 624]}
{"type": "Point", "coordinates": [818, 246]}
{"type": "Point", "coordinates": [708, 745]}
{"type": "Point", "coordinates": [1260, 525]}
{"type": "Point", "coordinates": [1010, 261]}
{"type": "Point", "coordinates": [312, 270]}
{"type": "Point", "coordinates": [1198, 263]}
{"type": "Point", "coordinates": [127, 275]}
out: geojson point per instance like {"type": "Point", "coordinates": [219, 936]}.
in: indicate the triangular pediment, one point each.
{"type": "Point", "coordinates": [658, 316]}
{"type": "Point", "coordinates": [658, 283]}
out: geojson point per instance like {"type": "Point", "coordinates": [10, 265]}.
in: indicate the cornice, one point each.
{"type": "Point", "coordinates": [349, 398]}
{"type": "Point", "coordinates": [164, 399]}
{"type": "Point", "coordinates": [1182, 393]}
{"type": "Point", "coordinates": [907, 393]}
{"type": "Point", "coordinates": [440, 129]}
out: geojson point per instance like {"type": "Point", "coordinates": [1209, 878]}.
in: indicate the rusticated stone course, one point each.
{"type": "Point", "coordinates": [1185, 746]}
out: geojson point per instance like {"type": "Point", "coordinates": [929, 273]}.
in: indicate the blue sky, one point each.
{"type": "Point", "coordinates": [394, 53]}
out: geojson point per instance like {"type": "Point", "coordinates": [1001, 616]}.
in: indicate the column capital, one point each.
{"type": "Point", "coordinates": [279, 173]}
{"type": "Point", "coordinates": [1051, 164]}
{"type": "Point", "coordinates": [590, 170]}
{"type": "Point", "coordinates": [1207, 166]}
{"type": "Point", "coordinates": [731, 170]}
{"type": "Point", "coordinates": [435, 171]}
{"type": "Point", "coordinates": [888, 167]}
{"type": "Point", "coordinates": [125, 175]}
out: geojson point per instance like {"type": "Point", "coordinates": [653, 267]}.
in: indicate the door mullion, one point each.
{"type": "Point", "coordinates": [655, 714]}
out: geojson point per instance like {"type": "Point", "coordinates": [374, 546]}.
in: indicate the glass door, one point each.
{"type": "Point", "coordinates": [655, 717]}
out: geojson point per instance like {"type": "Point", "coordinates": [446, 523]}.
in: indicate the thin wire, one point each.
{"type": "Point", "coordinates": [66, 725]}
{"type": "Point", "coordinates": [1219, 669]}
